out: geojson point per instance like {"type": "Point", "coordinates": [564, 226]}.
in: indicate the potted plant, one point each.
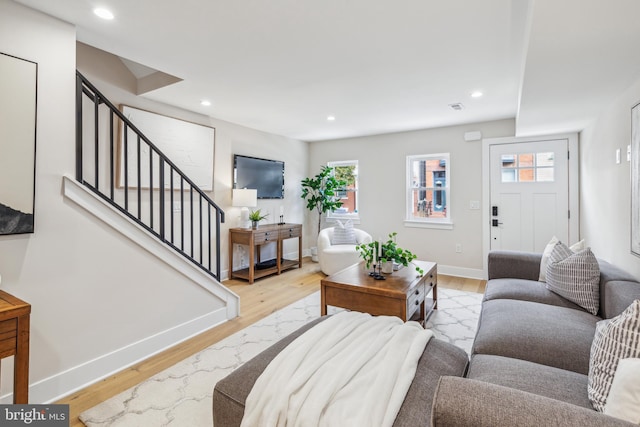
{"type": "Point", "coordinates": [255, 217]}
{"type": "Point", "coordinates": [320, 195]}
{"type": "Point", "coordinates": [320, 192]}
{"type": "Point", "coordinates": [386, 254]}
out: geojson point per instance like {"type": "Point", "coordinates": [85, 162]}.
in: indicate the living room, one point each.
{"type": "Point", "coordinates": [94, 293]}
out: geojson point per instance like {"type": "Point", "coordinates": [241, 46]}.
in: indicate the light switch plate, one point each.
{"type": "Point", "coordinates": [617, 156]}
{"type": "Point", "coordinates": [474, 204]}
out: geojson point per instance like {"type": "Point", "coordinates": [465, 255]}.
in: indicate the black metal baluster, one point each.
{"type": "Point", "coordinates": [161, 196]}
{"type": "Point", "coordinates": [139, 178]}
{"type": "Point", "coordinates": [181, 213]}
{"type": "Point", "coordinates": [96, 105]}
{"type": "Point", "coordinates": [151, 187]}
{"type": "Point", "coordinates": [191, 212]}
{"type": "Point", "coordinates": [126, 166]}
{"type": "Point", "coordinates": [79, 144]}
{"type": "Point", "coordinates": [111, 162]}
{"type": "Point", "coordinates": [209, 231]}
{"type": "Point", "coordinates": [171, 197]}
{"type": "Point", "coordinates": [200, 229]}
{"type": "Point", "coordinates": [219, 217]}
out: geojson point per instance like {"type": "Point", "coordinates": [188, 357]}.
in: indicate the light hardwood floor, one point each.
{"type": "Point", "coordinates": [259, 300]}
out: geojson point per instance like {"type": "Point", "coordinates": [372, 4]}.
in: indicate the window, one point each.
{"type": "Point", "coordinates": [529, 167]}
{"type": "Point", "coordinates": [428, 191]}
{"type": "Point", "coordinates": [347, 171]}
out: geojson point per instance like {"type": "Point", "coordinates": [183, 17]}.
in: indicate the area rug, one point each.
{"type": "Point", "coordinates": [181, 395]}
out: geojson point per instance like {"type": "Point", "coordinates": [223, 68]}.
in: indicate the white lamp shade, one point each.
{"type": "Point", "coordinates": [245, 197]}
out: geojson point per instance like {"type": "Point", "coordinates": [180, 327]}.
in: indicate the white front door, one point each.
{"type": "Point", "coordinates": [529, 194]}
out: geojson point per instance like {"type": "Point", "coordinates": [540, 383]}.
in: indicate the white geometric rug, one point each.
{"type": "Point", "coordinates": [181, 395]}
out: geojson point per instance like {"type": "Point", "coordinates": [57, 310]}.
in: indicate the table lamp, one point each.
{"type": "Point", "coordinates": [245, 198]}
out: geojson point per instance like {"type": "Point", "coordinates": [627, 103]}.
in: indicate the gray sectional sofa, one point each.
{"type": "Point", "coordinates": [528, 368]}
{"type": "Point", "coordinates": [530, 358]}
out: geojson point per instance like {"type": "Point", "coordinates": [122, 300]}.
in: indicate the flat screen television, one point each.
{"type": "Point", "coordinates": [266, 176]}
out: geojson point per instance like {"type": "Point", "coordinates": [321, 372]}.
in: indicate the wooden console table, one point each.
{"type": "Point", "coordinates": [270, 233]}
{"type": "Point", "coordinates": [14, 341]}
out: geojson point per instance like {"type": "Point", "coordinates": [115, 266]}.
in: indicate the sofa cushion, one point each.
{"type": "Point", "coordinates": [343, 234]}
{"type": "Point", "coordinates": [540, 333]}
{"type": "Point", "coordinates": [616, 296]}
{"type": "Point", "coordinates": [575, 276]}
{"type": "Point", "coordinates": [615, 339]}
{"type": "Point", "coordinates": [525, 290]}
{"type": "Point", "coordinates": [461, 402]}
{"type": "Point", "coordinates": [559, 384]}
{"type": "Point", "coordinates": [513, 264]}
{"type": "Point", "coordinates": [439, 358]}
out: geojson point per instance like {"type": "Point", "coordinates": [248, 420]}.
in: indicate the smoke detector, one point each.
{"type": "Point", "coordinates": [457, 106]}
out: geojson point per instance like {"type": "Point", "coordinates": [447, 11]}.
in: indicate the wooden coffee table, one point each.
{"type": "Point", "coordinates": [402, 294]}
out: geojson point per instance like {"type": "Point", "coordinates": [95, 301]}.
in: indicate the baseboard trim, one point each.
{"type": "Point", "coordinates": [78, 377]}
{"type": "Point", "coordinates": [470, 273]}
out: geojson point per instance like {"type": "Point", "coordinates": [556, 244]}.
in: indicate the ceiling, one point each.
{"type": "Point", "coordinates": [284, 66]}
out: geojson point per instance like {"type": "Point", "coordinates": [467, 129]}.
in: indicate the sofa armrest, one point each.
{"type": "Point", "coordinates": [514, 264]}
{"type": "Point", "coordinates": [464, 402]}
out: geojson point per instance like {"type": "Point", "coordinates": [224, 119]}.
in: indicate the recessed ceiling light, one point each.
{"type": "Point", "coordinates": [476, 94]}
{"type": "Point", "coordinates": [331, 118]}
{"type": "Point", "coordinates": [205, 103]}
{"type": "Point", "coordinates": [103, 13]}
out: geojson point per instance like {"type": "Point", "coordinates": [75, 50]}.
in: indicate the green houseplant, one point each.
{"type": "Point", "coordinates": [320, 192]}
{"type": "Point", "coordinates": [388, 251]}
{"type": "Point", "coordinates": [255, 217]}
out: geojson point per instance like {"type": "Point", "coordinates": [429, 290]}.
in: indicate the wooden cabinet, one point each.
{"type": "Point", "coordinates": [253, 239]}
{"type": "Point", "coordinates": [402, 294]}
{"type": "Point", "coordinates": [14, 341]}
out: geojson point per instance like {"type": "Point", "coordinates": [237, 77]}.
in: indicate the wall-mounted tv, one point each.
{"type": "Point", "coordinates": [266, 176]}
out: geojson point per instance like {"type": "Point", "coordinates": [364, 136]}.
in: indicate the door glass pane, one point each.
{"type": "Point", "coordinates": [544, 159]}
{"type": "Point", "coordinates": [508, 175]}
{"type": "Point", "coordinates": [525, 160]}
{"type": "Point", "coordinates": [508, 160]}
{"type": "Point", "coordinates": [525, 175]}
{"type": "Point", "coordinates": [544, 175]}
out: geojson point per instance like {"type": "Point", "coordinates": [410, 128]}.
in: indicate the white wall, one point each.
{"type": "Point", "coordinates": [382, 160]}
{"type": "Point", "coordinates": [93, 292]}
{"type": "Point", "coordinates": [605, 190]}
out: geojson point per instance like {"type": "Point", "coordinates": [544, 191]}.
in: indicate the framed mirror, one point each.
{"type": "Point", "coordinates": [18, 96]}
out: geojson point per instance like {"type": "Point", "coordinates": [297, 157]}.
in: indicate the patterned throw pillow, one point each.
{"type": "Point", "coordinates": [343, 234]}
{"type": "Point", "coordinates": [575, 276]}
{"type": "Point", "coordinates": [615, 339]}
{"type": "Point", "coordinates": [544, 261]}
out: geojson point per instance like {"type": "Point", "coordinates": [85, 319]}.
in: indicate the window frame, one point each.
{"type": "Point", "coordinates": [332, 216]}
{"type": "Point", "coordinates": [428, 222]}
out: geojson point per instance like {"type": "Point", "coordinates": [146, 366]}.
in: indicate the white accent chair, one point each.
{"type": "Point", "coordinates": [333, 258]}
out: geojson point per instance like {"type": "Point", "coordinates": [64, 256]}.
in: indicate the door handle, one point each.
{"type": "Point", "coordinates": [495, 223]}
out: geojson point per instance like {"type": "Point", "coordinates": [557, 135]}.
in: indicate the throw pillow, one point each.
{"type": "Point", "coordinates": [615, 339]}
{"type": "Point", "coordinates": [576, 247]}
{"type": "Point", "coordinates": [624, 397]}
{"type": "Point", "coordinates": [343, 234]}
{"type": "Point", "coordinates": [575, 276]}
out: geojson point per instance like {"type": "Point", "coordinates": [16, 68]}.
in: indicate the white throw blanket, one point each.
{"type": "Point", "coordinates": [352, 369]}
